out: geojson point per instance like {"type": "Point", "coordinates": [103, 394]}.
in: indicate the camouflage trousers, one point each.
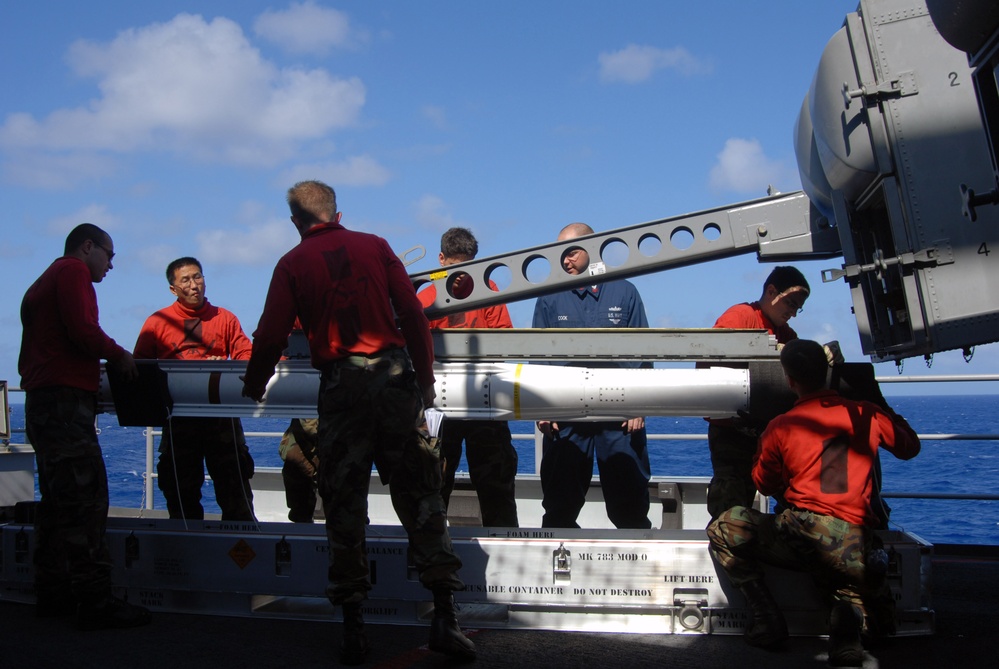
{"type": "Point", "coordinates": [299, 450]}
{"type": "Point", "coordinates": [371, 411]}
{"type": "Point", "coordinates": [71, 550]}
{"type": "Point", "coordinates": [492, 466]}
{"type": "Point", "coordinates": [732, 484]}
{"type": "Point", "coordinates": [833, 551]}
{"type": "Point", "coordinates": [187, 447]}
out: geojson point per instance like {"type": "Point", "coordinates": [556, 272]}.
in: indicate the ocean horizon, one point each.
{"type": "Point", "coordinates": [944, 467]}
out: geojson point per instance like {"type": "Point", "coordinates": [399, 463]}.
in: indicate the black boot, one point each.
{"type": "Point", "coordinates": [354, 647]}
{"type": "Point", "coordinates": [767, 628]}
{"type": "Point", "coordinates": [54, 602]}
{"type": "Point", "coordinates": [845, 648]}
{"type": "Point", "coordinates": [445, 635]}
{"type": "Point", "coordinates": [109, 612]}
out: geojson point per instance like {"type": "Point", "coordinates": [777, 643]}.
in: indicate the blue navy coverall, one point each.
{"type": "Point", "coordinates": [622, 458]}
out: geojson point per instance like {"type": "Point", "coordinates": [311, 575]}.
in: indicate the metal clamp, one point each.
{"type": "Point", "coordinates": [932, 256]}
{"type": "Point", "coordinates": [969, 201]}
{"type": "Point", "coordinates": [903, 85]}
{"type": "Point", "coordinates": [561, 564]}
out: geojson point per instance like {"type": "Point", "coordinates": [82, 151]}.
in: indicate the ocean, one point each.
{"type": "Point", "coordinates": [951, 467]}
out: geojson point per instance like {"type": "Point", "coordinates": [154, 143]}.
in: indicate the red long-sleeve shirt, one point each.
{"type": "Point", "coordinates": [343, 285]}
{"type": "Point", "coordinates": [62, 343]}
{"type": "Point", "coordinates": [179, 332]}
{"type": "Point", "coordinates": [486, 317]}
{"type": "Point", "coordinates": [749, 316]}
{"type": "Point", "coordinates": [820, 454]}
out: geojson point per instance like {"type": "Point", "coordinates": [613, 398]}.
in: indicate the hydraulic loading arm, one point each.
{"type": "Point", "coordinates": [777, 227]}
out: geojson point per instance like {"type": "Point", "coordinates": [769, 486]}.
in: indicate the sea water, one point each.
{"type": "Point", "coordinates": [944, 467]}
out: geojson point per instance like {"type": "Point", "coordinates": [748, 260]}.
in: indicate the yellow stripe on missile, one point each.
{"type": "Point", "coordinates": [516, 392]}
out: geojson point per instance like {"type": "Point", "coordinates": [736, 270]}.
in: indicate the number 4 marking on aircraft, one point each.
{"type": "Point", "coordinates": [983, 249]}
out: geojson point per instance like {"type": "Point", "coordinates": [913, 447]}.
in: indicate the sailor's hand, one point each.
{"type": "Point", "coordinates": [633, 425]}
{"type": "Point", "coordinates": [428, 397]}
{"type": "Point", "coordinates": [750, 425]}
{"type": "Point", "coordinates": [833, 353]}
{"type": "Point", "coordinates": [124, 367]}
{"type": "Point", "coordinates": [549, 428]}
{"type": "Point", "coordinates": [255, 393]}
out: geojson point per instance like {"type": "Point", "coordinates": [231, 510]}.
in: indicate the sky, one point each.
{"type": "Point", "coordinates": [179, 126]}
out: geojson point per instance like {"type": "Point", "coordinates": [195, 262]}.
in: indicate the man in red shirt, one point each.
{"type": "Point", "coordinates": [492, 459]}
{"type": "Point", "coordinates": [819, 457]}
{"type": "Point", "coordinates": [732, 441]}
{"type": "Point", "coordinates": [192, 328]}
{"type": "Point", "coordinates": [60, 364]}
{"type": "Point", "coordinates": [347, 288]}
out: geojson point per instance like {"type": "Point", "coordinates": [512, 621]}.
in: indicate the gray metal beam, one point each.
{"type": "Point", "coordinates": [479, 345]}
{"type": "Point", "coordinates": [775, 228]}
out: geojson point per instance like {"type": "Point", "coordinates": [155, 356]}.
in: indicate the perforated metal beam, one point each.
{"type": "Point", "coordinates": [775, 228]}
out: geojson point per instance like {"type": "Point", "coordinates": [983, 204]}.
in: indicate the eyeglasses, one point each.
{"type": "Point", "coordinates": [106, 250]}
{"type": "Point", "coordinates": [798, 308]}
{"type": "Point", "coordinates": [188, 280]}
{"type": "Point", "coordinates": [794, 304]}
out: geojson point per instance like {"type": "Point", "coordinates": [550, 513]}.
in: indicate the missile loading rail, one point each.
{"type": "Point", "coordinates": [476, 378]}
{"type": "Point", "coordinates": [657, 345]}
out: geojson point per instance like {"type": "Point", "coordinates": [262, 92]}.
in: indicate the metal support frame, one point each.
{"type": "Point", "coordinates": [776, 227]}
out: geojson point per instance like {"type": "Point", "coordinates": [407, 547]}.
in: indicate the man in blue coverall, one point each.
{"type": "Point", "coordinates": [569, 448]}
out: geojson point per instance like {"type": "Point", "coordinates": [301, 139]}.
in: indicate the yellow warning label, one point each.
{"type": "Point", "coordinates": [242, 554]}
{"type": "Point", "coordinates": [440, 274]}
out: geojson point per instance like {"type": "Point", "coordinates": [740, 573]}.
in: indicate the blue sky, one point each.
{"type": "Point", "coordinates": [178, 127]}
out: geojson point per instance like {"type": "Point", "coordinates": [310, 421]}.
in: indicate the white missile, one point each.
{"type": "Point", "coordinates": [503, 391]}
{"type": "Point", "coordinates": [492, 391]}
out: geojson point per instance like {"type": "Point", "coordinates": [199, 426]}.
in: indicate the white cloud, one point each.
{"type": "Point", "coordinates": [354, 171]}
{"type": "Point", "coordinates": [436, 116]}
{"type": "Point", "coordinates": [432, 212]}
{"type": "Point", "coordinates": [191, 87]}
{"type": "Point", "coordinates": [636, 63]}
{"type": "Point", "coordinates": [156, 257]}
{"type": "Point", "coordinates": [97, 214]}
{"type": "Point", "coordinates": [260, 244]}
{"type": "Point", "coordinates": [743, 167]}
{"type": "Point", "coordinates": [54, 172]}
{"type": "Point", "coordinates": [15, 251]}
{"type": "Point", "coordinates": [307, 28]}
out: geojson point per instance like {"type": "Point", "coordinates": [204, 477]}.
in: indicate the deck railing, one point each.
{"type": "Point", "coordinates": [151, 433]}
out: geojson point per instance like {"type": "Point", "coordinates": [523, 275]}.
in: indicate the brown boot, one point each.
{"type": "Point", "coordinates": [445, 634]}
{"type": "Point", "coordinates": [354, 647]}
{"type": "Point", "coordinates": [767, 628]}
